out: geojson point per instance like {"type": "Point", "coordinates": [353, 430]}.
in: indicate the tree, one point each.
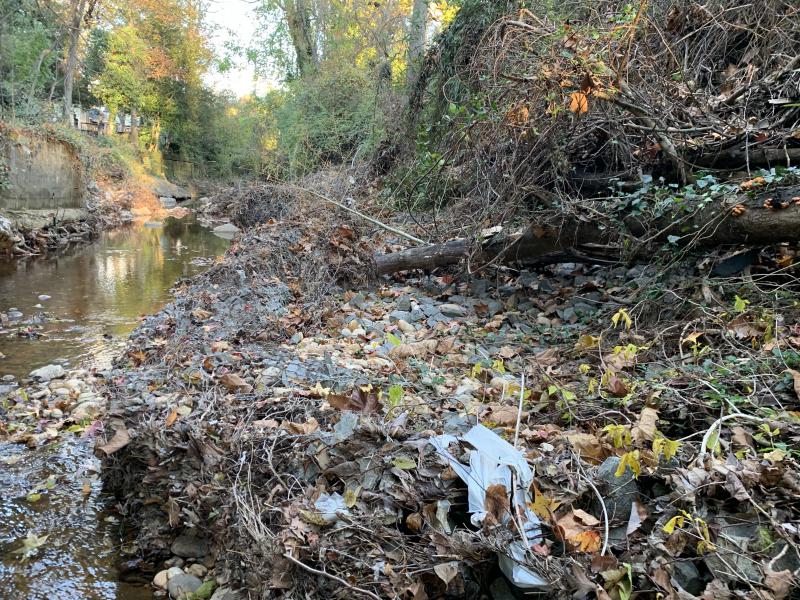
{"type": "Point", "coordinates": [298, 18]}
{"type": "Point", "coordinates": [417, 28]}
{"type": "Point", "coordinates": [77, 9]}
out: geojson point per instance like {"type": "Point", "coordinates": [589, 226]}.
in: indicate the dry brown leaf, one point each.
{"type": "Point", "coordinates": [547, 358]}
{"type": "Point", "coordinates": [505, 415]}
{"type": "Point", "coordinates": [580, 536]}
{"type": "Point", "coordinates": [121, 439]}
{"type": "Point", "coordinates": [171, 418]}
{"type": "Point", "coordinates": [446, 571]}
{"type": "Point", "coordinates": [741, 437]}
{"type": "Point", "coordinates": [645, 428]}
{"type": "Point", "coordinates": [780, 583]}
{"type": "Point", "coordinates": [578, 103]}
{"type": "Point", "coordinates": [414, 522]}
{"type": "Point", "coordinates": [415, 349]}
{"type": "Point", "coordinates": [588, 446]}
{"type": "Point", "coordinates": [796, 379]}
{"type": "Point", "coordinates": [716, 590]}
{"type": "Point", "coordinates": [583, 517]}
{"type": "Point", "coordinates": [359, 400]}
{"type": "Point", "coordinates": [617, 386]}
{"type": "Point", "coordinates": [310, 426]}
{"type": "Point", "coordinates": [496, 504]}
{"type": "Point", "coordinates": [234, 382]}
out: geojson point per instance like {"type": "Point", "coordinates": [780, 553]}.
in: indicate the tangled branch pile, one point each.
{"type": "Point", "coordinates": [606, 92]}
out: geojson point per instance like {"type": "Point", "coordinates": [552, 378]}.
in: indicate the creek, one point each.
{"type": "Point", "coordinates": [77, 309]}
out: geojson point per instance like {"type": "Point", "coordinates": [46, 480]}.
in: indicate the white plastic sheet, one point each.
{"type": "Point", "coordinates": [492, 461]}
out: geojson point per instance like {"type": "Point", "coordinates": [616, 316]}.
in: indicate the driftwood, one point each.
{"type": "Point", "coordinates": [581, 241]}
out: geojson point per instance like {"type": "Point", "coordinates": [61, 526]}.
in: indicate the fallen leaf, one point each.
{"type": "Point", "coordinates": [579, 103]}
{"type": "Point", "coordinates": [780, 583]}
{"type": "Point", "coordinates": [30, 545]}
{"type": "Point", "coordinates": [505, 415]}
{"type": "Point", "coordinates": [446, 571]}
{"type": "Point", "coordinates": [645, 428]}
{"type": "Point", "coordinates": [796, 380]}
{"type": "Point", "coordinates": [496, 504]}
{"type": "Point", "coordinates": [587, 342]}
{"type": "Point", "coordinates": [583, 517]}
{"type": "Point", "coordinates": [310, 426]}
{"type": "Point", "coordinates": [359, 400]}
{"type": "Point", "coordinates": [617, 386]}
{"type": "Point", "coordinates": [173, 415]}
{"type": "Point", "coordinates": [121, 439]}
{"type": "Point", "coordinates": [415, 349]}
{"type": "Point", "coordinates": [234, 382]}
{"type": "Point", "coordinates": [588, 446]}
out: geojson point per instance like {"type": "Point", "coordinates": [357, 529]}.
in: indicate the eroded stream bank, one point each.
{"type": "Point", "coordinates": [75, 309]}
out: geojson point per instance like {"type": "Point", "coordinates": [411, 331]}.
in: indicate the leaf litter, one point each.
{"type": "Point", "coordinates": [327, 426]}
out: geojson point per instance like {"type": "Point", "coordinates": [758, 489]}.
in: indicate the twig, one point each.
{"type": "Point", "coordinates": [519, 409]}
{"type": "Point", "coordinates": [597, 493]}
{"type": "Point", "coordinates": [408, 236]}
{"type": "Point", "coordinates": [718, 423]}
{"type": "Point", "coordinates": [330, 576]}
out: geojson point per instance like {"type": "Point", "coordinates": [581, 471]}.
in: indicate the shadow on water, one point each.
{"type": "Point", "coordinates": [98, 294]}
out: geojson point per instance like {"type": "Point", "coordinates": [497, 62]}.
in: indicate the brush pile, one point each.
{"type": "Point", "coordinates": [277, 428]}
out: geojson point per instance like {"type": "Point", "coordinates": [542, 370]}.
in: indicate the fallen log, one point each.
{"type": "Point", "coordinates": [581, 241]}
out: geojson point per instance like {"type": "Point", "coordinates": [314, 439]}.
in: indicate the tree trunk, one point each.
{"type": "Point", "coordinates": [298, 19]}
{"type": "Point", "coordinates": [417, 27]}
{"type": "Point", "coordinates": [581, 241]}
{"type": "Point", "coordinates": [133, 136]}
{"type": "Point", "coordinates": [77, 8]}
{"type": "Point", "coordinates": [35, 76]}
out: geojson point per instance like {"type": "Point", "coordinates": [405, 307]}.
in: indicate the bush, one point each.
{"type": "Point", "coordinates": [328, 118]}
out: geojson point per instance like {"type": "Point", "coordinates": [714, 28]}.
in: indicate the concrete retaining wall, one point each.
{"type": "Point", "coordinates": [44, 174]}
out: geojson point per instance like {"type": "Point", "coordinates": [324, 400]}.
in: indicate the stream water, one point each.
{"type": "Point", "coordinates": [97, 294]}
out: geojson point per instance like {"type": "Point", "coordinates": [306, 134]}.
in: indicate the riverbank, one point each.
{"type": "Point", "coordinates": [286, 412]}
{"type": "Point", "coordinates": [72, 312]}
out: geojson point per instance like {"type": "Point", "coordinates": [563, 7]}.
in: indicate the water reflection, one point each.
{"type": "Point", "coordinates": [99, 291]}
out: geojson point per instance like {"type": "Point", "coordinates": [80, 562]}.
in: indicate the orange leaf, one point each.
{"type": "Point", "coordinates": [578, 103]}
{"type": "Point", "coordinates": [587, 541]}
{"type": "Point", "coordinates": [171, 418]}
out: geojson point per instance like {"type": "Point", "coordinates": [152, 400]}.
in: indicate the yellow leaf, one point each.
{"type": "Point", "coordinates": [622, 314]}
{"type": "Point", "coordinates": [676, 521]}
{"type": "Point", "coordinates": [543, 506]}
{"type": "Point", "coordinates": [629, 459]}
{"type": "Point", "coordinates": [587, 342]}
{"type": "Point", "coordinates": [579, 103]}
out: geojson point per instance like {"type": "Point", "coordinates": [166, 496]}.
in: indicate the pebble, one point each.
{"type": "Point", "coordinates": [48, 372]}
{"type": "Point", "coordinates": [182, 585]}
{"type": "Point", "coordinates": [86, 410]}
{"type": "Point", "coordinates": [453, 310]}
{"type": "Point", "coordinates": [161, 579]}
{"type": "Point", "coordinates": [197, 570]}
{"type": "Point", "coordinates": [189, 546]}
{"type": "Point", "coordinates": [44, 297]}
{"type": "Point", "coordinates": [405, 326]}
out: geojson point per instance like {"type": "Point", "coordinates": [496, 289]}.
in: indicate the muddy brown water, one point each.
{"type": "Point", "coordinates": [97, 295]}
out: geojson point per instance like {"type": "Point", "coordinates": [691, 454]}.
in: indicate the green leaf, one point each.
{"type": "Point", "coordinates": [395, 395]}
{"type": "Point", "coordinates": [394, 340]}
{"type": "Point", "coordinates": [406, 463]}
{"type": "Point", "coordinates": [33, 497]}
{"type": "Point", "coordinates": [740, 304]}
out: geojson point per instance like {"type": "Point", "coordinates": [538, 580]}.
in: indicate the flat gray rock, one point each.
{"type": "Point", "coordinates": [189, 546]}
{"type": "Point", "coordinates": [47, 373]}
{"type": "Point", "coordinates": [182, 585]}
